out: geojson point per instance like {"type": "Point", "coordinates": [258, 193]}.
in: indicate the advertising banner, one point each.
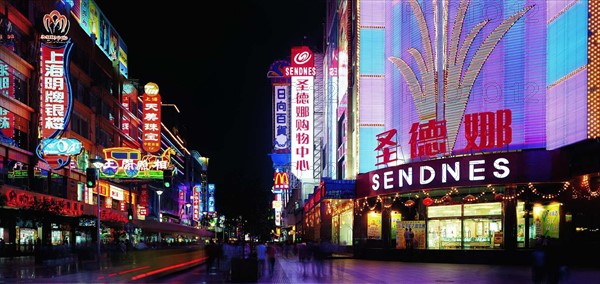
{"type": "Point", "coordinates": [151, 105]}
{"type": "Point", "coordinates": [281, 113]}
{"type": "Point", "coordinates": [55, 93]}
{"type": "Point", "coordinates": [302, 73]}
{"type": "Point", "coordinates": [374, 226]}
{"type": "Point", "coordinates": [418, 234]}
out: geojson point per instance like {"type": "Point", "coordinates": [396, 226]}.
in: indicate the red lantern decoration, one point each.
{"type": "Point", "coordinates": [409, 203]}
{"type": "Point", "coordinates": [499, 197]}
{"type": "Point", "coordinates": [469, 198]}
{"type": "Point", "coordinates": [447, 199]}
{"type": "Point", "coordinates": [427, 201]}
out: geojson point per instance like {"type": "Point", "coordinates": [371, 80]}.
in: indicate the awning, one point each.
{"type": "Point", "coordinates": [165, 227]}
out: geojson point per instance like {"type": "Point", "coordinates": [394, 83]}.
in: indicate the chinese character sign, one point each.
{"type": "Point", "coordinates": [302, 96]}
{"type": "Point", "coordinates": [281, 118]}
{"type": "Point", "coordinates": [6, 80]}
{"type": "Point", "coordinates": [55, 92]}
{"type": "Point", "coordinates": [151, 118]}
{"type": "Point", "coordinates": [386, 148]}
{"type": "Point", "coordinates": [211, 198]}
{"type": "Point", "coordinates": [196, 202]}
{"type": "Point", "coordinates": [477, 102]}
{"type": "Point", "coordinates": [55, 97]}
{"type": "Point", "coordinates": [125, 121]}
{"type": "Point", "coordinates": [7, 119]}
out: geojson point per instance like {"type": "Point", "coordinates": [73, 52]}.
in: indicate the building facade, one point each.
{"type": "Point", "coordinates": [67, 101]}
{"type": "Point", "coordinates": [476, 130]}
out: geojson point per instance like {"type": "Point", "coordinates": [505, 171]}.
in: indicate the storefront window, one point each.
{"type": "Point", "coordinates": [335, 229]}
{"type": "Point", "coordinates": [521, 225]}
{"type": "Point", "coordinates": [481, 209]}
{"type": "Point", "coordinates": [346, 227]}
{"type": "Point", "coordinates": [56, 237]}
{"type": "Point", "coordinates": [444, 211]}
{"type": "Point", "coordinates": [482, 233]}
{"type": "Point", "coordinates": [468, 226]}
{"type": "Point", "coordinates": [444, 234]}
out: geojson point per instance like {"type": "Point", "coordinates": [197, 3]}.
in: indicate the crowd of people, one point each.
{"type": "Point", "coordinates": [313, 257]}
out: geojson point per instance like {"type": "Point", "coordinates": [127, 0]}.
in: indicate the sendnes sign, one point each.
{"type": "Point", "coordinates": [479, 170]}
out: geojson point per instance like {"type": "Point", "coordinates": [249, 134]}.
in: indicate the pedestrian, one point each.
{"type": "Point", "coordinates": [211, 253]}
{"type": "Point", "coordinates": [406, 238]}
{"type": "Point", "coordinates": [261, 256]}
{"type": "Point", "coordinates": [229, 252]}
{"type": "Point", "coordinates": [271, 251]}
{"type": "Point", "coordinates": [411, 238]}
{"type": "Point", "coordinates": [303, 256]}
{"type": "Point", "coordinates": [553, 261]}
{"type": "Point", "coordinates": [538, 262]}
{"type": "Point", "coordinates": [122, 247]}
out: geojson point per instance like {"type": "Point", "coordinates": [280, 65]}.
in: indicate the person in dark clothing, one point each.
{"type": "Point", "coordinates": [538, 262]}
{"type": "Point", "coordinates": [271, 251]}
{"type": "Point", "coordinates": [212, 254]}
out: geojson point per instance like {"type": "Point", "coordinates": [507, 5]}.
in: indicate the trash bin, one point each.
{"type": "Point", "coordinates": [244, 270]}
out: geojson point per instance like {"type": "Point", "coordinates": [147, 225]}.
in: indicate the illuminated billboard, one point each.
{"type": "Point", "coordinates": [94, 22]}
{"type": "Point", "coordinates": [281, 117]}
{"type": "Point", "coordinates": [55, 93]}
{"type": "Point", "coordinates": [302, 72]}
{"type": "Point", "coordinates": [481, 87]}
{"type": "Point", "coordinates": [151, 120]}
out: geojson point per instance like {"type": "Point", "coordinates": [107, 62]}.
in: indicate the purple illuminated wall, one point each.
{"type": "Point", "coordinates": [512, 76]}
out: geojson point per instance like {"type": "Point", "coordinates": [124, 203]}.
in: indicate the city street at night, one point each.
{"type": "Point", "coordinates": [295, 141]}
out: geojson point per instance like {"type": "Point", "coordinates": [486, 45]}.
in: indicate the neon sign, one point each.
{"type": "Point", "coordinates": [123, 162]}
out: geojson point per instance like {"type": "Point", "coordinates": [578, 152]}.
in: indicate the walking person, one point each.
{"type": "Point", "coordinates": [271, 251]}
{"type": "Point", "coordinates": [211, 253]}
{"type": "Point", "coordinates": [538, 262]}
{"type": "Point", "coordinates": [407, 238]}
{"type": "Point", "coordinates": [411, 238]}
{"type": "Point", "coordinates": [261, 256]}
{"type": "Point", "coordinates": [303, 256]}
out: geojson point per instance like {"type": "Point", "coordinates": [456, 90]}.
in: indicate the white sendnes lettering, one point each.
{"type": "Point", "coordinates": [503, 171]}
{"type": "Point", "coordinates": [446, 173]}
{"type": "Point", "coordinates": [404, 176]}
{"type": "Point", "coordinates": [388, 180]}
{"type": "Point", "coordinates": [431, 171]}
{"type": "Point", "coordinates": [455, 173]}
{"type": "Point", "coordinates": [473, 170]}
{"type": "Point", "coordinates": [375, 182]}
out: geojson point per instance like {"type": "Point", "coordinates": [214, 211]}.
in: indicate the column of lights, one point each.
{"type": "Point", "coordinates": [593, 43]}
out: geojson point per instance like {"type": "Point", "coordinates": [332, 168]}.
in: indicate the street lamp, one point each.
{"type": "Point", "coordinates": [98, 163]}
{"type": "Point", "coordinates": [187, 212]}
{"type": "Point", "coordinates": [159, 192]}
{"type": "Point", "coordinates": [172, 105]}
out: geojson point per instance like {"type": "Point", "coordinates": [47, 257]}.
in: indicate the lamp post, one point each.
{"type": "Point", "coordinates": [98, 163]}
{"type": "Point", "coordinates": [159, 193]}
{"type": "Point", "coordinates": [172, 105]}
{"type": "Point", "coordinates": [188, 213]}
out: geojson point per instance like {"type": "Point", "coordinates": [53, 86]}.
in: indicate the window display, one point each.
{"type": "Point", "coordinates": [346, 227]}
{"type": "Point", "coordinates": [465, 226]}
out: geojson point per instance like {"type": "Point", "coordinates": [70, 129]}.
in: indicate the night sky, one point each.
{"type": "Point", "coordinates": [212, 63]}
